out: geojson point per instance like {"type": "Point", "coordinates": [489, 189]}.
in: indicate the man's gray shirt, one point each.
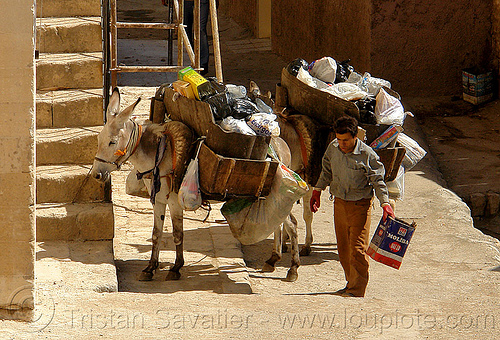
{"type": "Point", "coordinates": [353, 176]}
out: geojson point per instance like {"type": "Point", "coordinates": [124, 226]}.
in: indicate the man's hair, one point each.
{"type": "Point", "coordinates": [346, 124]}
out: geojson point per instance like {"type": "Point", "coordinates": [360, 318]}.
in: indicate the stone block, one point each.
{"type": "Point", "coordinates": [67, 8]}
{"type": "Point", "coordinates": [17, 291]}
{"type": "Point", "coordinates": [493, 204]}
{"type": "Point", "coordinates": [74, 108]}
{"type": "Point", "coordinates": [17, 154]}
{"type": "Point", "coordinates": [477, 204]}
{"type": "Point", "coordinates": [14, 51]}
{"type": "Point", "coordinates": [17, 223]}
{"type": "Point", "coordinates": [18, 257]}
{"type": "Point", "coordinates": [72, 222]}
{"type": "Point", "coordinates": [67, 183]}
{"type": "Point", "coordinates": [16, 189]}
{"type": "Point", "coordinates": [15, 79]}
{"type": "Point", "coordinates": [97, 223]}
{"type": "Point", "coordinates": [69, 70]}
{"type": "Point", "coordinates": [43, 113]}
{"type": "Point", "coordinates": [67, 145]}
{"type": "Point", "coordinates": [69, 35]}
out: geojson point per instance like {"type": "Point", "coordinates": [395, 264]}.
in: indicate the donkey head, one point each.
{"type": "Point", "coordinates": [114, 139]}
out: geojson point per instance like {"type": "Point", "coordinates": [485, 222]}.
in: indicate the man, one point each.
{"type": "Point", "coordinates": [189, 20]}
{"type": "Point", "coordinates": [353, 171]}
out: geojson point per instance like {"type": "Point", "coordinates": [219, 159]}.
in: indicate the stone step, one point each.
{"type": "Point", "coordinates": [69, 108]}
{"type": "Point", "coordinates": [66, 145]}
{"type": "Point", "coordinates": [74, 222]}
{"type": "Point", "coordinates": [72, 268]}
{"type": "Point", "coordinates": [67, 183]}
{"type": "Point", "coordinates": [69, 70]}
{"type": "Point", "coordinates": [68, 8]}
{"type": "Point", "coordinates": [69, 35]}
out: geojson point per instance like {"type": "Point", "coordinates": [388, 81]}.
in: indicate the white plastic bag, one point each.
{"type": "Point", "coordinates": [189, 193]}
{"type": "Point", "coordinates": [388, 109]}
{"type": "Point", "coordinates": [325, 69]}
{"type": "Point", "coordinates": [306, 78]}
{"type": "Point", "coordinates": [414, 152]}
{"type": "Point", "coordinates": [264, 124]}
{"type": "Point", "coordinates": [253, 221]}
{"type": "Point", "coordinates": [231, 124]}
{"type": "Point", "coordinates": [396, 188]}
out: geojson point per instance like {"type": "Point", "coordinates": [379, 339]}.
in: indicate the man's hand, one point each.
{"type": "Point", "coordinates": [315, 201]}
{"type": "Point", "coordinates": [386, 207]}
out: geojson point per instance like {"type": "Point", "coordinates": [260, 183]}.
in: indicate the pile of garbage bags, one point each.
{"type": "Point", "coordinates": [377, 105]}
{"type": "Point", "coordinates": [370, 94]}
{"type": "Point", "coordinates": [234, 111]}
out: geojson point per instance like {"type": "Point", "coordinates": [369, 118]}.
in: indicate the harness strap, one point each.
{"type": "Point", "coordinates": [303, 149]}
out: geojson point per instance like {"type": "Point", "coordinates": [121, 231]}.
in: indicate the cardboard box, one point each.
{"type": "Point", "coordinates": [390, 241]}
{"type": "Point", "coordinates": [477, 85]}
{"type": "Point", "coordinates": [184, 88]}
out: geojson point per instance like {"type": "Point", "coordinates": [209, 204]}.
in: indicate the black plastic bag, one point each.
{"type": "Point", "coordinates": [367, 110]}
{"type": "Point", "coordinates": [221, 104]}
{"type": "Point", "coordinates": [294, 66]}
{"type": "Point", "coordinates": [343, 71]}
{"type": "Point", "coordinates": [243, 108]}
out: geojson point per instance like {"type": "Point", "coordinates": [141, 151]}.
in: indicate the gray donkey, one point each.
{"type": "Point", "coordinates": [122, 139]}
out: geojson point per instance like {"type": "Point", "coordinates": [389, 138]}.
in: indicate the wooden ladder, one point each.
{"type": "Point", "coordinates": [175, 23]}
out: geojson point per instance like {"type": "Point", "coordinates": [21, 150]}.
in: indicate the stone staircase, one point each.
{"type": "Point", "coordinates": [69, 114]}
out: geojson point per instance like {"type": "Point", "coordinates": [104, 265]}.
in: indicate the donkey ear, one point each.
{"type": "Point", "coordinates": [114, 105]}
{"type": "Point", "coordinates": [123, 116]}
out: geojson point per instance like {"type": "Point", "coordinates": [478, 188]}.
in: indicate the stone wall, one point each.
{"type": "Point", "coordinates": [17, 182]}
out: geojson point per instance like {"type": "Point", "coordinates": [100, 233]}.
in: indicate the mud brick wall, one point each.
{"type": "Point", "coordinates": [17, 183]}
{"type": "Point", "coordinates": [420, 46]}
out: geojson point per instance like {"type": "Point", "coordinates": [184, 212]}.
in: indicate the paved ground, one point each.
{"type": "Point", "coordinates": [447, 286]}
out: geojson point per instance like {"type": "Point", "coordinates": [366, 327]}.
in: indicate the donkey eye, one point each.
{"type": "Point", "coordinates": [111, 143]}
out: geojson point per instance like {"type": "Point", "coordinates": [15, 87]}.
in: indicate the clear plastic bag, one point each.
{"type": "Point", "coordinates": [389, 109]}
{"type": "Point", "coordinates": [396, 188]}
{"type": "Point", "coordinates": [306, 78]}
{"type": "Point", "coordinates": [231, 124]}
{"type": "Point", "coordinates": [189, 193]}
{"type": "Point", "coordinates": [347, 91]}
{"type": "Point", "coordinates": [253, 221]}
{"type": "Point", "coordinates": [414, 152]}
{"type": "Point", "coordinates": [371, 84]}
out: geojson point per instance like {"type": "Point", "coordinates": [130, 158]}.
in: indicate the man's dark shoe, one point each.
{"type": "Point", "coordinates": [340, 291]}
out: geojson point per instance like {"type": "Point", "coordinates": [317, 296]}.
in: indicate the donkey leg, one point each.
{"type": "Point", "coordinates": [159, 217]}
{"type": "Point", "coordinates": [276, 254]}
{"type": "Point", "coordinates": [176, 214]}
{"type": "Point", "coordinates": [308, 217]}
{"type": "Point", "coordinates": [290, 226]}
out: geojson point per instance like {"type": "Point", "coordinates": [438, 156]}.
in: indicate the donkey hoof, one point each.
{"type": "Point", "coordinates": [291, 276]}
{"type": "Point", "coordinates": [146, 276]}
{"type": "Point", "coordinates": [305, 251]}
{"type": "Point", "coordinates": [267, 268]}
{"type": "Point", "coordinates": [172, 276]}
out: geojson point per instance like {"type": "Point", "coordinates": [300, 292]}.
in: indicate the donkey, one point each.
{"type": "Point", "coordinates": [297, 164]}
{"type": "Point", "coordinates": [121, 140]}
